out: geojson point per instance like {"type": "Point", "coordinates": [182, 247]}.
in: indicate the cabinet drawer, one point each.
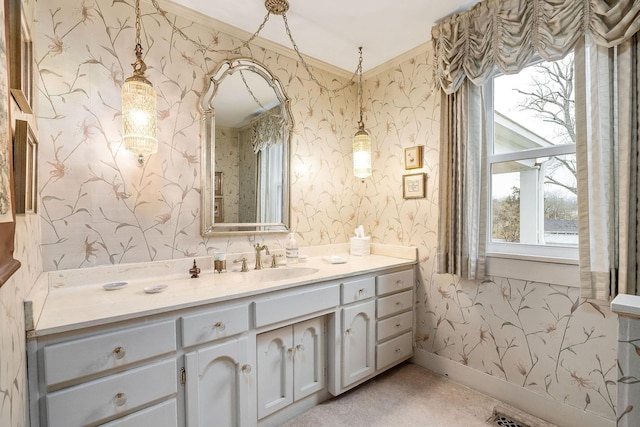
{"type": "Point", "coordinates": [214, 324]}
{"type": "Point", "coordinates": [162, 415]}
{"type": "Point", "coordinates": [394, 325]}
{"type": "Point", "coordinates": [295, 304]}
{"type": "Point", "coordinates": [394, 304]}
{"type": "Point", "coordinates": [394, 351]}
{"type": "Point", "coordinates": [93, 355]}
{"type": "Point", "coordinates": [107, 397]}
{"type": "Point", "coordinates": [357, 290]}
{"type": "Point", "coordinates": [394, 282]}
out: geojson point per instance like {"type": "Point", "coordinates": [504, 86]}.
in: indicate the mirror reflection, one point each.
{"type": "Point", "coordinates": [245, 148]}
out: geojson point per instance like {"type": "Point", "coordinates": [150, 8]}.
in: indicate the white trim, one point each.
{"type": "Point", "coordinates": [531, 153]}
{"type": "Point", "coordinates": [544, 270]}
{"type": "Point", "coordinates": [538, 405]}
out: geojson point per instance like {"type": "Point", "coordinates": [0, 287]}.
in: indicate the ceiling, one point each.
{"type": "Point", "coordinates": [332, 30]}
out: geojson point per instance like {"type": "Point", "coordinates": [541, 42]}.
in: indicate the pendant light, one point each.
{"type": "Point", "coordinates": [361, 140]}
{"type": "Point", "coordinates": [139, 117]}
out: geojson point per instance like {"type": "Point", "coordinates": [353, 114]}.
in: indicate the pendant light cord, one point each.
{"type": "Point", "coordinates": [359, 71]}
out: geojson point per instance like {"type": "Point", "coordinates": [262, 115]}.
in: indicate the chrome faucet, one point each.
{"type": "Point", "coordinates": [259, 249]}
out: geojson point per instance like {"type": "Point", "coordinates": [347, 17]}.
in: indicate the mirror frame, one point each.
{"type": "Point", "coordinates": [208, 227]}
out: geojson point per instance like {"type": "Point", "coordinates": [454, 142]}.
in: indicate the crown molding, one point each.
{"type": "Point", "coordinates": [421, 49]}
{"type": "Point", "coordinates": [223, 27]}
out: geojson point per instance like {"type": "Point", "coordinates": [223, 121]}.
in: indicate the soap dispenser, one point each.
{"type": "Point", "coordinates": [292, 249]}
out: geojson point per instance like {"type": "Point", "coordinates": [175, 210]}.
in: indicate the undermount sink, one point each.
{"type": "Point", "coordinates": [283, 273]}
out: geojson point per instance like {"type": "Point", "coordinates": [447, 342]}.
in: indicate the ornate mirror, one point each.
{"type": "Point", "coordinates": [246, 129]}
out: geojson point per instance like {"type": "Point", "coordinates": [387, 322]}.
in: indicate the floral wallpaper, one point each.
{"type": "Point", "coordinates": [629, 368]}
{"type": "Point", "coordinates": [538, 336]}
{"type": "Point", "coordinates": [99, 206]}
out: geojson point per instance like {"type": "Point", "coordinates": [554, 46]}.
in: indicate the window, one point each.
{"type": "Point", "coordinates": [531, 154]}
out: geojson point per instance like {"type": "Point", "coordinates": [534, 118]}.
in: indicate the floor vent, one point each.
{"type": "Point", "coordinates": [502, 420]}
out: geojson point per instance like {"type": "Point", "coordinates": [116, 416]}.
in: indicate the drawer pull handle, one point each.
{"type": "Point", "coordinates": [299, 347]}
{"type": "Point", "coordinates": [246, 369]}
{"type": "Point", "coordinates": [398, 325]}
{"type": "Point", "coordinates": [119, 352]}
{"type": "Point", "coordinates": [220, 326]}
{"type": "Point", "coordinates": [398, 350]}
{"type": "Point", "coordinates": [399, 304]}
{"type": "Point", "coordinates": [399, 282]}
{"type": "Point", "coordinates": [362, 292]}
{"type": "Point", "coordinates": [120, 399]}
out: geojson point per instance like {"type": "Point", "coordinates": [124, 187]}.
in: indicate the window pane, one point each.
{"type": "Point", "coordinates": [533, 201]}
{"type": "Point", "coordinates": [535, 108]}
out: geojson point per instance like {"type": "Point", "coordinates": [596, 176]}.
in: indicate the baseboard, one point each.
{"type": "Point", "coordinates": [533, 403]}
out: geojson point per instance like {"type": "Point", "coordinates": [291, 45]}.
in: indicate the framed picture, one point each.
{"type": "Point", "coordinates": [217, 184]}
{"type": "Point", "coordinates": [20, 58]}
{"type": "Point", "coordinates": [218, 209]}
{"type": "Point", "coordinates": [8, 265]}
{"type": "Point", "coordinates": [414, 186]}
{"type": "Point", "coordinates": [25, 158]}
{"type": "Point", "coordinates": [413, 157]}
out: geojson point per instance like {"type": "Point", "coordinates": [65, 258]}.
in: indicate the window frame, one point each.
{"type": "Point", "coordinates": [521, 260]}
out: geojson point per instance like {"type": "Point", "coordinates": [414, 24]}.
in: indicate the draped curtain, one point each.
{"type": "Point", "coordinates": [503, 36]}
{"type": "Point", "coordinates": [462, 193]}
{"type": "Point", "coordinates": [267, 129]}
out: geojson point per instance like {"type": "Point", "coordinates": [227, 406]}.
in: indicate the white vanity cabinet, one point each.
{"type": "Point", "coordinates": [92, 379]}
{"type": "Point", "coordinates": [255, 357]}
{"type": "Point", "coordinates": [219, 377]}
{"type": "Point", "coordinates": [290, 362]}
{"type": "Point", "coordinates": [394, 314]}
{"type": "Point", "coordinates": [219, 384]}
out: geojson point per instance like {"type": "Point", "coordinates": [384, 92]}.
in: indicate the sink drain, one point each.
{"type": "Point", "coordinates": [502, 420]}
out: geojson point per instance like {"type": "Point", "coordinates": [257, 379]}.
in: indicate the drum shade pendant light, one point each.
{"type": "Point", "coordinates": [361, 140]}
{"type": "Point", "coordinates": [139, 116]}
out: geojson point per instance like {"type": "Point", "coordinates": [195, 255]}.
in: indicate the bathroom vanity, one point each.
{"type": "Point", "coordinates": [231, 349]}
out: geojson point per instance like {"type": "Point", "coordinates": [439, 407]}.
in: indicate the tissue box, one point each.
{"type": "Point", "coordinates": [360, 245]}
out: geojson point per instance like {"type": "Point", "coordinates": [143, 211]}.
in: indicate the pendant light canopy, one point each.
{"type": "Point", "coordinates": [139, 116]}
{"type": "Point", "coordinates": [361, 140]}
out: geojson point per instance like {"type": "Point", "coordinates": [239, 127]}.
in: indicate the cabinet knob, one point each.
{"type": "Point", "coordinates": [362, 292]}
{"type": "Point", "coordinates": [348, 331]}
{"type": "Point", "coordinates": [398, 325]}
{"type": "Point", "coordinates": [398, 350]}
{"type": "Point", "coordinates": [399, 282]}
{"type": "Point", "coordinates": [119, 352]}
{"type": "Point", "coordinates": [219, 325]}
{"type": "Point", "coordinates": [299, 347]}
{"type": "Point", "coordinates": [246, 369]}
{"type": "Point", "coordinates": [120, 399]}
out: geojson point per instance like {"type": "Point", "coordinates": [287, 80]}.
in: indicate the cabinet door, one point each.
{"type": "Point", "coordinates": [275, 370]}
{"type": "Point", "coordinates": [358, 342]}
{"type": "Point", "coordinates": [308, 366]}
{"type": "Point", "coordinates": [219, 385]}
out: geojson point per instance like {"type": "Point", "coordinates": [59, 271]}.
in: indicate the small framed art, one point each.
{"type": "Point", "coordinates": [414, 186]}
{"type": "Point", "coordinates": [21, 58]}
{"type": "Point", "coordinates": [218, 209]}
{"type": "Point", "coordinates": [25, 156]}
{"type": "Point", "coordinates": [413, 157]}
{"type": "Point", "coordinates": [217, 184]}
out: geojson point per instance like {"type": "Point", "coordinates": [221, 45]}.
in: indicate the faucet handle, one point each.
{"type": "Point", "coordinates": [244, 267]}
{"type": "Point", "coordinates": [274, 264]}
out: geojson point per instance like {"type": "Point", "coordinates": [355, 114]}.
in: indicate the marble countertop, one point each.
{"type": "Point", "coordinates": [69, 305]}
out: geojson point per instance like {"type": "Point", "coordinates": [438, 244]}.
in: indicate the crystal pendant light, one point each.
{"type": "Point", "coordinates": [139, 117]}
{"type": "Point", "coordinates": [361, 140]}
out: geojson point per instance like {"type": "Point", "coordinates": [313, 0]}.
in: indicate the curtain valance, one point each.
{"type": "Point", "coordinates": [503, 35]}
{"type": "Point", "coordinates": [267, 129]}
